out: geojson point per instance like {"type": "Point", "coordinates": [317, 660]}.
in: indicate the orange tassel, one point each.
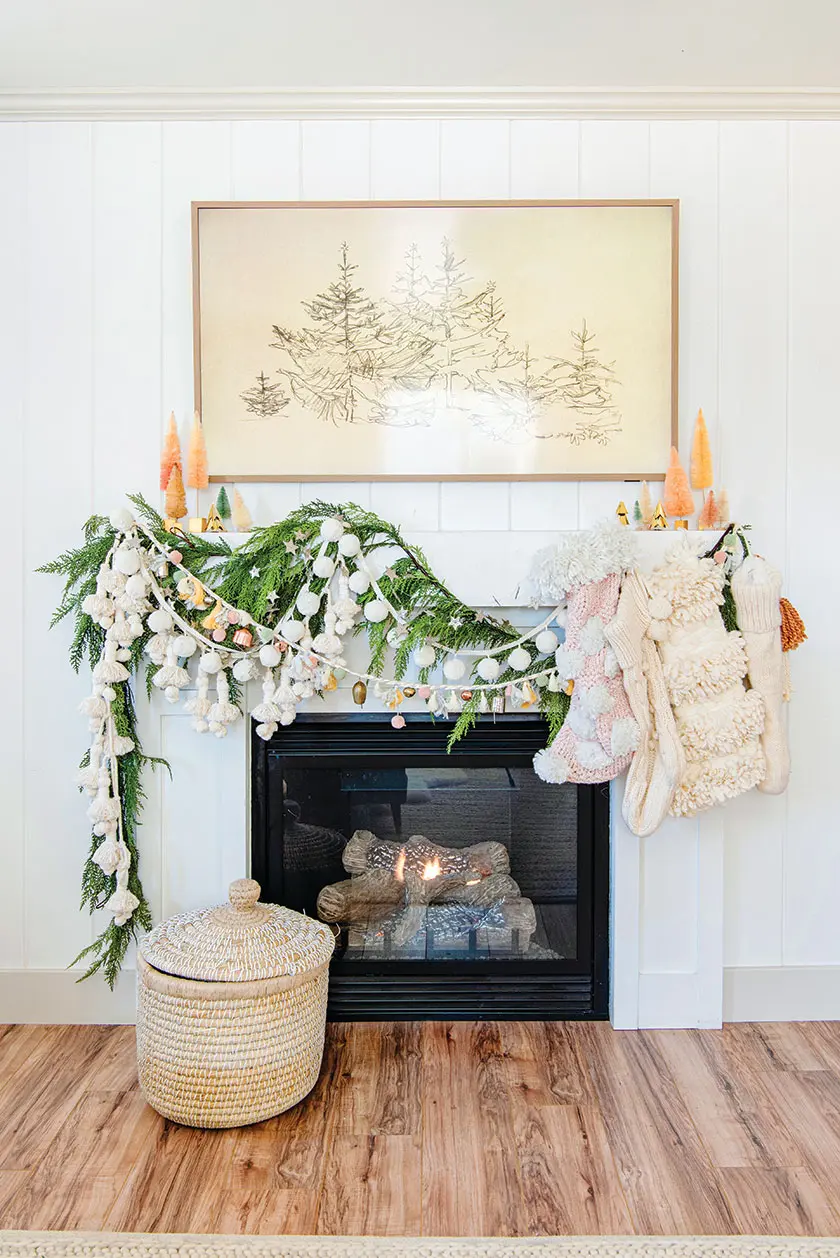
{"type": "Point", "coordinates": [793, 629]}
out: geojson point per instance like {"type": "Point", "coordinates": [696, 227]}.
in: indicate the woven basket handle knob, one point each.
{"type": "Point", "coordinates": [244, 894]}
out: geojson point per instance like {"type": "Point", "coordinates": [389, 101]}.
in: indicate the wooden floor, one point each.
{"type": "Point", "coordinates": [445, 1129]}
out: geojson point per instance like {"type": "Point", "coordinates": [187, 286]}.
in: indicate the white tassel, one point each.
{"type": "Point", "coordinates": [223, 712]}
{"type": "Point", "coordinates": [157, 646]}
{"type": "Point", "coordinates": [244, 670]}
{"type": "Point", "coordinates": [109, 669]}
{"type": "Point", "coordinates": [104, 807]}
{"type": "Point", "coordinates": [122, 745]}
{"type": "Point", "coordinates": [88, 778]}
{"type": "Point", "coordinates": [171, 676]}
{"type": "Point", "coordinates": [112, 855]}
{"type": "Point", "coordinates": [121, 631]}
{"type": "Point", "coordinates": [94, 706]}
{"type": "Point", "coordinates": [200, 705]}
{"type": "Point", "coordinates": [267, 711]}
{"type": "Point", "coordinates": [122, 904]}
{"type": "Point", "coordinates": [267, 730]}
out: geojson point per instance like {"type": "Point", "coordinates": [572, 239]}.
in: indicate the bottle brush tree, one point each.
{"type": "Point", "coordinates": [723, 508]}
{"type": "Point", "coordinates": [646, 505]}
{"type": "Point", "coordinates": [708, 516]}
{"type": "Point", "coordinates": [171, 453]}
{"type": "Point", "coordinates": [197, 477]}
{"type": "Point", "coordinates": [241, 515]}
{"type": "Point", "coordinates": [176, 499]}
{"type": "Point", "coordinates": [677, 497]}
{"type": "Point", "coordinates": [223, 504]}
{"type": "Point", "coordinates": [701, 455]}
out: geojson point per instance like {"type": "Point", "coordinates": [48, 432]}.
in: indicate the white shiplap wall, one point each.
{"type": "Point", "coordinates": [95, 348]}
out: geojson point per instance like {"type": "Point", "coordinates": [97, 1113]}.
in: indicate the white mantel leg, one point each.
{"type": "Point", "coordinates": [666, 922]}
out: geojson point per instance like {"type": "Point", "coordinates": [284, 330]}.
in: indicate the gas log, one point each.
{"type": "Point", "coordinates": [394, 884]}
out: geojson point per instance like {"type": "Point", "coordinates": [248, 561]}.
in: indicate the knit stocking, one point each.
{"type": "Point", "coordinates": [599, 735]}
{"type": "Point", "coordinates": [756, 588]}
{"type": "Point", "coordinates": [718, 721]}
{"type": "Point", "coordinates": [659, 763]}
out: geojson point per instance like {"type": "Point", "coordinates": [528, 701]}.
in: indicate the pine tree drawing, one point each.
{"type": "Point", "coordinates": [522, 398]}
{"type": "Point", "coordinates": [347, 356]}
{"type": "Point", "coordinates": [586, 386]}
{"type": "Point", "coordinates": [264, 399]}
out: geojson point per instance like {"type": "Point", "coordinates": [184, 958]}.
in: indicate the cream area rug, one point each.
{"type": "Point", "coordinates": [143, 1245]}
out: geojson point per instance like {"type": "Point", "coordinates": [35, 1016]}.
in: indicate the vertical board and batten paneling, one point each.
{"type": "Point", "coordinates": [13, 325]}
{"type": "Point", "coordinates": [679, 936]}
{"type": "Point", "coordinates": [96, 348]}
{"type": "Point", "coordinates": [811, 923]}
{"type": "Point", "coordinates": [58, 491]}
{"type": "Point", "coordinates": [752, 444]}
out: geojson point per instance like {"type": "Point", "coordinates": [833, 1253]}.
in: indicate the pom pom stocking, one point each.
{"type": "Point", "coordinates": [600, 734]}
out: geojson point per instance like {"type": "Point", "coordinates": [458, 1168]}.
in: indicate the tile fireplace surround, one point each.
{"type": "Point", "coordinates": [666, 891]}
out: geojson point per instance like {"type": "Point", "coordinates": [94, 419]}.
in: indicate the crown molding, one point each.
{"type": "Point", "coordinates": [295, 103]}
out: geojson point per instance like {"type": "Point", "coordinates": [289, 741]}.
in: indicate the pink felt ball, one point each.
{"type": "Point", "coordinates": [720, 556]}
{"type": "Point", "coordinates": [398, 721]}
{"type": "Point", "coordinates": [218, 635]}
{"type": "Point", "coordinates": [233, 616]}
{"type": "Point", "coordinates": [424, 691]}
{"type": "Point", "coordinates": [175, 556]}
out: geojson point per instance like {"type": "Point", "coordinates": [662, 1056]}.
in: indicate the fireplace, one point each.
{"type": "Point", "coordinates": [460, 886]}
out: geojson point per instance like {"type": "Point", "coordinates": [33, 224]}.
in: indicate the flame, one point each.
{"type": "Point", "coordinates": [431, 870]}
{"type": "Point", "coordinates": [399, 868]}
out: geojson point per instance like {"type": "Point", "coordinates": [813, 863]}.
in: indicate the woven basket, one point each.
{"type": "Point", "coordinates": [238, 1035]}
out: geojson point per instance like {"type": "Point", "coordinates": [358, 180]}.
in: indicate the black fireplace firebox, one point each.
{"type": "Point", "coordinates": [460, 885]}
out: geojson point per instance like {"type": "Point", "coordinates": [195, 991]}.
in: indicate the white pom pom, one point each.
{"type": "Point", "coordinates": [266, 730]}
{"type": "Point", "coordinates": [172, 693]}
{"type": "Point", "coordinates": [308, 602]}
{"type": "Point", "coordinates": [424, 656]}
{"type": "Point", "coordinates": [270, 656]}
{"type": "Point", "coordinates": [546, 642]}
{"type": "Point", "coordinates": [454, 668]}
{"type": "Point", "coordinates": [489, 668]}
{"type": "Point", "coordinates": [127, 561]}
{"type": "Point", "coordinates": [376, 611]}
{"type": "Point", "coordinates": [562, 617]}
{"type": "Point", "coordinates": [349, 545]}
{"type": "Point", "coordinates": [569, 661]}
{"type": "Point", "coordinates": [160, 621]}
{"type": "Point", "coordinates": [121, 519]}
{"type": "Point", "coordinates": [611, 664]}
{"type": "Point", "coordinates": [211, 662]}
{"type": "Point", "coordinates": [184, 646]}
{"type": "Point", "coordinates": [658, 630]}
{"type": "Point", "coordinates": [660, 607]}
{"type": "Point", "coordinates": [591, 639]}
{"type": "Point", "coordinates": [323, 566]}
{"type": "Point", "coordinates": [359, 582]}
{"type": "Point", "coordinates": [551, 767]}
{"type": "Point", "coordinates": [519, 659]}
{"type": "Point", "coordinates": [135, 587]}
{"type": "Point", "coordinates": [293, 630]}
{"type": "Point", "coordinates": [287, 716]}
{"type": "Point", "coordinates": [331, 529]}
{"type": "Point", "coordinates": [591, 755]}
{"type": "Point", "coordinates": [243, 670]}
{"type": "Point", "coordinates": [597, 700]}
{"type": "Point", "coordinates": [624, 736]}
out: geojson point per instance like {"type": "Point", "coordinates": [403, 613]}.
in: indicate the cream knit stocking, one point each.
{"type": "Point", "coordinates": [719, 722]}
{"type": "Point", "coordinates": [659, 763]}
{"type": "Point", "coordinates": [756, 588]}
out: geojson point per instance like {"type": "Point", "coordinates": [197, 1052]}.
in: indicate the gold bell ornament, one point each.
{"type": "Point", "coordinates": [466, 695]}
{"type": "Point", "coordinates": [409, 692]}
{"type": "Point", "coordinates": [359, 692]}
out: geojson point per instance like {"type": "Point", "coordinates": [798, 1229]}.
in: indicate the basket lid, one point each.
{"type": "Point", "coordinates": [239, 941]}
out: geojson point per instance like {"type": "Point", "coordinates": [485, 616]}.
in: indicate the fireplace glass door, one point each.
{"type": "Point", "coordinates": [458, 885]}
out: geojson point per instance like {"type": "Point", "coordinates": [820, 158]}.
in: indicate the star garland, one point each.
{"type": "Point", "coordinates": [276, 609]}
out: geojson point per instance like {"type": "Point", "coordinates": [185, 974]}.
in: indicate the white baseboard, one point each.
{"type": "Point", "coordinates": [54, 996]}
{"type": "Point", "coordinates": [784, 993]}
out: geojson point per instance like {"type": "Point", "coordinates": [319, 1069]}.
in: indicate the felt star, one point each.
{"type": "Point", "coordinates": [291, 549]}
{"type": "Point", "coordinates": [255, 572]}
{"type": "Point", "coordinates": [455, 622]}
{"type": "Point", "coordinates": [479, 615]}
{"type": "Point", "coordinates": [300, 535]}
{"type": "Point", "coordinates": [390, 573]}
{"type": "Point", "coordinates": [272, 597]}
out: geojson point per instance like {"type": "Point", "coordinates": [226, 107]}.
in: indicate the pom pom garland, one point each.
{"type": "Point", "coordinates": [454, 668]}
{"type": "Point", "coordinates": [425, 656]}
{"type": "Point", "coordinates": [546, 642]}
{"type": "Point", "coordinates": [488, 668]}
{"type": "Point", "coordinates": [331, 529]}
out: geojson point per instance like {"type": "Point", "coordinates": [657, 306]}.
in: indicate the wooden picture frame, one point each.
{"type": "Point", "coordinates": [541, 343]}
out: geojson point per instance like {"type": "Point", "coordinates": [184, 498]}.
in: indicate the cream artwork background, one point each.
{"type": "Point", "coordinates": [536, 341]}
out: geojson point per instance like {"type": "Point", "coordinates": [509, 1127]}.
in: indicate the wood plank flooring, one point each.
{"type": "Point", "coordinates": [443, 1129]}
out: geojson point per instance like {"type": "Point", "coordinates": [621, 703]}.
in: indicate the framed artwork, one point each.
{"type": "Point", "coordinates": [442, 340]}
